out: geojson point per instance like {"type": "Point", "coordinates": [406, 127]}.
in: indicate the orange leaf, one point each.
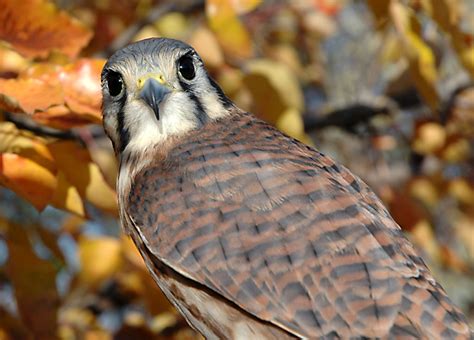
{"type": "Point", "coordinates": [27, 178]}
{"type": "Point", "coordinates": [36, 27]}
{"type": "Point", "coordinates": [29, 95]}
{"type": "Point", "coordinates": [59, 96]}
{"type": "Point", "coordinates": [25, 144]}
{"type": "Point", "coordinates": [61, 117]}
{"type": "Point", "coordinates": [81, 84]}
{"type": "Point", "coordinates": [230, 32]}
{"type": "Point", "coordinates": [34, 282]}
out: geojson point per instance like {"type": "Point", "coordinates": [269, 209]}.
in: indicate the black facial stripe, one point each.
{"type": "Point", "coordinates": [226, 102]}
{"type": "Point", "coordinates": [122, 132]}
{"type": "Point", "coordinates": [201, 114]}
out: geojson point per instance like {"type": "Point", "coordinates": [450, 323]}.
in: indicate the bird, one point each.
{"type": "Point", "coordinates": [248, 232]}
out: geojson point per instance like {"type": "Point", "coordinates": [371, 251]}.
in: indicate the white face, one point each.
{"type": "Point", "coordinates": [137, 115]}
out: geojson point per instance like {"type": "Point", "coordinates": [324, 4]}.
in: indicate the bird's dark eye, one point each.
{"type": "Point", "coordinates": [114, 83]}
{"type": "Point", "coordinates": [186, 67]}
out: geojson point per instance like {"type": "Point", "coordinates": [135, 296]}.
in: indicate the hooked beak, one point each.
{"type": "Point", "coordinates": [152, 90]}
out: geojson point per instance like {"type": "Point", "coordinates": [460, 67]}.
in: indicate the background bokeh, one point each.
{"type": "Point", "coordinates": [383, 86]}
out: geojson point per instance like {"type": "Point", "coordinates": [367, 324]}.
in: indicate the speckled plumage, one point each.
{"type": "Point", "coordinates": [252, 234]}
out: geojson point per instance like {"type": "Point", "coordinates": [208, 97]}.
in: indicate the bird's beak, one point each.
{"type": "Point", "coordinates": [152, 89]}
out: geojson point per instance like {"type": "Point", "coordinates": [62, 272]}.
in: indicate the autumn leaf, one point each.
{"type": "Point", "coordinates": [11, 62]}
{"type": "Point", "coordinates": [29, 169]}
{"type": "Point", "coordinates": [59, 96]}
{"type": "Point", "coordinates": [83, 174]}
{"type": "Point", "coordinates": [28, 179]}
{"type": "Point", "coordinates": [420, 57]}
{"type": "Point", "coordinates": [35, 28]}
{"type": "Point", "coordinates": [230, 32]}
{"type": "Point", "coordinates": [29, 95]}
{"type": "Point", "coordinates": [67, 197]}
{"type": "Point", "coordinates": [81, 84]}
{"type": "Point", "coordinates": [269, 79]}
{"type": "Point", "coordinates": [244, 6]}
{"type": "Point", "coordinates": [99, 258]}
{"type": "Point", "coordinates": [447, 15]}
{"type": "Point", "coordinates": [206, 44]}
{"type": "Point", "coordinates": [34, 281]}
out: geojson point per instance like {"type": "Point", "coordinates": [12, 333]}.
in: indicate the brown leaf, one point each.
{"type": "Point", "coordinates": [406, 210]}
{"type": "Point", "coordinates": [35, 28]}
{"type": "Point", "coordinates": [34, 282]}
{"type": "Point", "coordinates": [11, 327]}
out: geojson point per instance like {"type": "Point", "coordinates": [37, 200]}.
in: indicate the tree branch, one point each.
{"type": "Point", "coordinates": [345, 118]}
{"type": "Point", "coordinates": [22, 121]}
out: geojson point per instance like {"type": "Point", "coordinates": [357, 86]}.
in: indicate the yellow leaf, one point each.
{"type": "Point", "coordinates": [83, 174]}
{"type": "Point", "coordinates": [230, 79]}
{"type": "Point", "coordinates": [66, 196]}
{"type": "Point", "coordinates": [429, 138]}
{"type": "Point", "coordinates": [100, 258]}
{"type": "Point", "coordinates": [274, 88]}
{"type": "Point", "coordinates": [291, 123]}
{"type": "Point", "coordinates": [423, 235]}
{"type": "Point", "coordinates": [446, 13]}
{"type": "Point", "coordinates": [425, 191]}
{"type": "Point", "coordinates": [462, 191]}
{"type": "Point", "coordinates": [172, 25]}
{"type": "Point", "coordinates": [230, 32]}
{"type": "Point", "coordinates": [28, 179]}
{"type": "Point", "coordinates": [131, 252]}
{"type": "Point", "coordinates": [11, 61]}
{"type": "Point", "coordinates": [456, 150]}
{"type": "Point", "coordinates": [420, 57]}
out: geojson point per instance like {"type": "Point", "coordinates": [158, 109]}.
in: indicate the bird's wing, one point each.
{"type": "Point", "coordinates": [283, 232]}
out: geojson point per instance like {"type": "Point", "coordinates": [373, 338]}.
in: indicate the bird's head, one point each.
{"type": "Point", "coordinates": [155, 89]}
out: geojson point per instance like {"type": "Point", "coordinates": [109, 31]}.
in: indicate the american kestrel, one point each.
{"type": "Point", "coordinates": [248, 232]}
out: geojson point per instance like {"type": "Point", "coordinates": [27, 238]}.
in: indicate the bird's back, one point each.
{"type": "Point", "coordinates": [282, 232]}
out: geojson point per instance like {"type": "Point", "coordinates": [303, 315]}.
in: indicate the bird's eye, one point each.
{"type": "Point", "coordinates": [186, 67]}
{"type": "Point", "coordinates": [114, 83]}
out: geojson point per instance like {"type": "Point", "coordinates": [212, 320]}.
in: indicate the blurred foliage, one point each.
{"type": "Point", "coordinates": [384, 86]}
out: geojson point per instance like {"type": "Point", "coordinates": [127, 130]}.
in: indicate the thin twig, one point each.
{"type": "Point", "coordinates": [345, 118]}
{"type": "Point", "coordinates": [22, 121]}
